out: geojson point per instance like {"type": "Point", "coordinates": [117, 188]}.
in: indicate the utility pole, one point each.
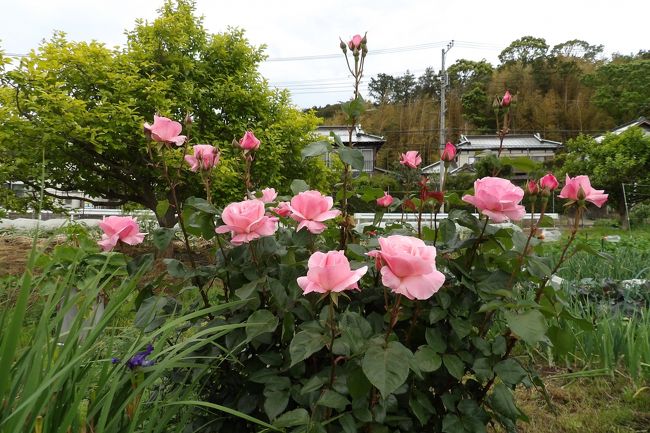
{"type": "Point", "coordinates": [444, 82]}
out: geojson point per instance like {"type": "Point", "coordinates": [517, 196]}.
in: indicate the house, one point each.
{"type": "Point", "coordinates": [471, 148]}
{"type": "Point", "coordinates": [641, 122]}
{"type": "Point", "coordinates": [368, 144]}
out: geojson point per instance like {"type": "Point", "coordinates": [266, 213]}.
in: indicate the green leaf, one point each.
{"type": "Point", "coordinates": [435, 340]}
{"type": "Point", "coordinates": [539, 266]}
{"type": "Point", "coordinates": [427, 360]}
{"type": "Point", "coordinates": [351, 156]}
{"type": "Point", "coordinates": [276, 402]}
{"type": "Point", "coordinates": [436, 314]}
{"type": "Point", "coordinates": [348, 424]}
{"type": "Point", "coordinates": [530, 326]}
{"type": "Point", "coordinates": [148, 311]}
{"type": "Point", "coordinates": [177, 269]}
{"type": "Point", "coordinates": [510, 372]}
{"type": "Point", "coordinates": [315, 149]}
{"type": "Point", "coordinates": [358, 385]}
{"type": "Point", "coordinates": [162, 207]}
{"type": "Point", "coordinates": [299, 185]}
{"type": "Point", "coordinates": [260, 322]}
{"type": "Point", "coordinates": [451, 424]}
{"type": "Point", "coordinates": [336, 138]}
{"type": "Point", "coordinates": [454, 365]}
{"type": "Point", "coordinates": [371, 194]}
{"type": "Point", "coordinates": [202, 205]}
{"type": "Point", "coordinates": [313, 384]}
{"type": "Point", "coordinates": [522, 163]}
{"type": "Point", "coordinates": [482, 369]}
{"type": "Point", "coordinates": [421, 407]}
{"type": "Point", "coordinates": [387, 368]}
{"type": "Point", "coordinates": [462, 327]}
{"type": "Point", "coordinates": [446, 230]}
{"type": "Point", "coordinates": [502, 402]}
{"type": "Point", "coordinates": [292, 418]}
{"type": "Point", "coordinates": [333, 399]}
{"type": "Point", "coordinates": [304, 344]}
{"type": "Point", "coordinates": [162, 237]}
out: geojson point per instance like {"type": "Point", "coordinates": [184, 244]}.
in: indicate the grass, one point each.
{"type": "Point", "coordinates": [585, 405]}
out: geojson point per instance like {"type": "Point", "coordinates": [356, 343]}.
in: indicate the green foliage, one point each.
{"type": "Point", "coordinates": [56, 354]}
{"type": "Point", "coordinates": [623, 158]}
{"type": "Point", "coordinates": [82, 106]}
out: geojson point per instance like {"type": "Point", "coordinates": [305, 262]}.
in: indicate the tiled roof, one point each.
{"type": "Point", "coordinates": [641, 122]}
{"type": "Point", "coordinates": [511, 141]}
{"type": "Point", "coordinates": [358, 135]}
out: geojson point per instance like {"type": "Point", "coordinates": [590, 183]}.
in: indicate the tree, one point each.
{"type": "Point", "coordinates": [622, 88]}
{"type": "Point", "coordinates": [382, 88]}
{"type": "Point", "coordinates": [82, 106]}
{"type": "Point", "coordinates": [618, 159]}
{"type": "Point", "coordinates": [526, 50]}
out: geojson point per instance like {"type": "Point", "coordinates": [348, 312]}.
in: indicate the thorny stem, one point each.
{"type": "Point", "coordinates": [332, 327]}
{"type": "Point", "coordinates": [476, 244]}
{"type": "Point", "coordinates": [181, 223]}
{"type": "Point", "coordinates": [393, 318]}
{"type": "Point", "coordinates": [511, 339]}
{"type": "Point", "coordinates": [226, 289]}
{"type": "Point", "coordinates": [251, 248]}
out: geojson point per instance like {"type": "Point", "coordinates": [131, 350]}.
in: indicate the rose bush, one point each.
{"type": "Point", "coordinates": [400, 330]}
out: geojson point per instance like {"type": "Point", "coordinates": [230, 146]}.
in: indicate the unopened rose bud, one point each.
{"type": "Point", "coordinates": [532, 188]}
{"type": "Point", "coordinates": [188, 119]}
{"type": "Point", "coordinates": [507, 98]}
{"type": "Point", "coordinates": [581, 194]}
{"type": "Point", "coordinates": [343, 47]}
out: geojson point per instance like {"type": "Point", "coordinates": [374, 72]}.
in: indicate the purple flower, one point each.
{"type": "Point", "coordinates": [139, 359]}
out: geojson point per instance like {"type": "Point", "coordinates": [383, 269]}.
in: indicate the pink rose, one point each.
{"type": "Point", "coordinates": [497, 198]}
{"type": "Point", "coordinates": [205, 157]}
{"type": "Point", "coordinates": [165, 130]}
{"type": "Point", "coordinates": [579, 188]}
{"type": "Point", "coordinates": [246, 221]}
{"type": "Point", "coordinates": [386, 200]}
{"type": "Point", "coordinates": [531, 187]}
{"type": "Point", "coordinates": [310, 209]}
{"type": "Point", "coordinates": [408, 266]}
{"type": "Point", "coordinates": [268, 195]}
{"type": "Point", "coordinates": [355, 42]}
{"type": "Point", "coordinates": [330, 272]}
{"type": "Point", "coordinates": [249, 141]}
{"type": "Point", "coordinates": [507, 99]}
{"type": "Point", "coordinates": [549, 182]}
{"type": "Point", "coordinates": [411, 159]}
{"type": "Point", "coordinates": [283, 209]}
{"type": "Point", "coordinates": [449, 153]}
{"type": "Point", "coordinates": [119, 228]}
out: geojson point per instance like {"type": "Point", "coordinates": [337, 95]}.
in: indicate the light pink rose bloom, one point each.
{"type": "Point", "coordinates": [268, 195]}
{"type": "Point", "coordinates": [119, 228]}
{"type": "Point", "coordinates": [449, 153]}
{"type": "Point", "coordinates": [330, 272]}
{"type": "Point", "coordinates": [579, 187]}
{"type": "Point", "coordinates": [549, 182]}
{"type": "Point", "coordinates": [507, 99]}
{"type": "Point", "coordinates": [165, 130]}
{"type": "Point", "coordinates": [497, 199]}
{"type": "Point", "coordinates": [249, 141]}
{"type": "Point", "coordinates": [246, 221]}
{"type": "Point", "coordinates": [310, 209]}
{"type": "Point", "coordinates": [408, 266]}
{"type": "Point", "coordinates": [386, 200]}
{"type": "Point", "coordinates": [411, 159]}
{"type": "Point", "coordinates": [205, 157]}
{"type": "Point", "coordinates": [355, 42]}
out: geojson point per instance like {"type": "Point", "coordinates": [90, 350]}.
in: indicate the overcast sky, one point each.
{"type": "Point", "coordinates": [481, 29]}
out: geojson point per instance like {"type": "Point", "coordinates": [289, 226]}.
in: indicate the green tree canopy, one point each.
{"type": "Point", "coordinates": [618, 159]}
{"type": "Point", "coordinates": [82, 106]}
